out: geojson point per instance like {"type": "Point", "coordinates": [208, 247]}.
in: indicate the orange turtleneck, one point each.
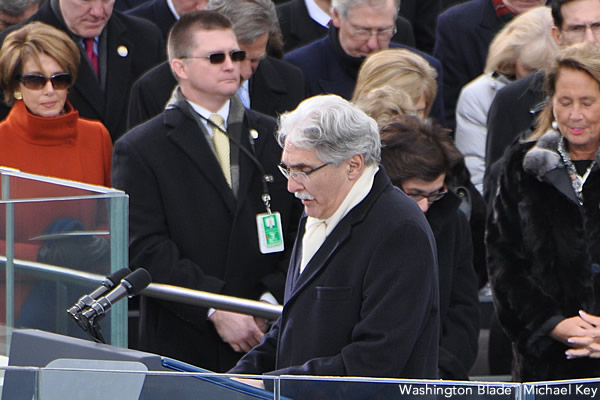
{"type": "Point", "coordinates": [65, 146]}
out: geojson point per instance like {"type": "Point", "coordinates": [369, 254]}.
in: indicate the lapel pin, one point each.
{"type": "Point", "coordinates": [122, 51]}
{"type": "Point", "coordinates": [254, 134]}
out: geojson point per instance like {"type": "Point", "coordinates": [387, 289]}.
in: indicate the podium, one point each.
{"type": "Point", "coordinates": [68, 367]}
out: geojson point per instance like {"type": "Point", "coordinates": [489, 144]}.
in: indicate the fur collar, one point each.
{"type": "Point", "coordinates": [543, 157]}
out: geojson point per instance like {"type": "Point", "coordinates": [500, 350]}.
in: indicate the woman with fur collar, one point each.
{"type": "Point", "coordinates": [543, 235]}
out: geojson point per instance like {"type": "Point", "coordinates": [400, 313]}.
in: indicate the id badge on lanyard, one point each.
{"type": "Point", "coordinates": [270, 234]}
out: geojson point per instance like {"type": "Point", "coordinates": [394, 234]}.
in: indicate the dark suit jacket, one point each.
{"type": "Point", "coordinates": [188, 229]}
{"type": "Point", "coordinates": [422, 15]}
{"type": "Point", "coordinates": [512, 115]}
{"type": "Point", "coordinates": [324, 71]}
{"type": "Point", "coordinates": [124, 5]}
{"type": "Point", "coordinates": [367, 302]}
{"type": "Point", "coordinates": [298, 28]}
{"type": "Point", "coordinates": [521, 100]}
{"type": "Point", "coordinates": [144, 49]}
{"type": "Point", "coordinates": [157, 12]}
{"type": "Point", "coordinates": [463, 35]}
{"type": "Point", "coordinates": [275, 87]}
{"type": "Point", "coordinates": [459, 301]}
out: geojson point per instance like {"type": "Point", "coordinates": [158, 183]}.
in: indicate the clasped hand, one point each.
{"type": "Point", "coordinates": [241, 331]}
{"type": "Point", "coordinates": [581, 333]}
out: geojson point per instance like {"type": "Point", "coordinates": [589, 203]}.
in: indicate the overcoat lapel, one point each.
{"type": "Point", "coordinates": [186, 134]}
{"type": "Point", "coordinates": [340, 234]}
{"type": "Point", "coordinates": [119, 58]}
{"type": "Point", "coordinates": [321, 258]}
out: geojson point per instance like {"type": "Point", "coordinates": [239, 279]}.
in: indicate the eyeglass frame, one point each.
{"type": "Point", "coordinates": [52, 79]}
{"type": "Point", "coordinates": [358, 31]}
{"type": "Point", "coordinates": [579, 30]}
{"type": "Point", "coordinates": [299, 176]}
{"type": "Point", "coordinates": [431, 197]}
{"type": "Point", "coordinates": [220, 54]}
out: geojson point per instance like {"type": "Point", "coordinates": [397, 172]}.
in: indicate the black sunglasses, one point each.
{"type": "Point", "coordinates": [219, 58]}
{"type": "Point", "coordinates": [38, 81]}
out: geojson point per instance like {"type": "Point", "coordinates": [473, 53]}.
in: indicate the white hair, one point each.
{"type": "Point", "coordinates": [333, 127]}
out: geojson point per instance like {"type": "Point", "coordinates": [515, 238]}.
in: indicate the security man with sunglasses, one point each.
{"type": "Point", "coordinates": [268, 85]}
{"type": "Point", "coordinates": [202, 180]}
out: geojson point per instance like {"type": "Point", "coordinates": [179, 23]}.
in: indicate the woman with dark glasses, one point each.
{"type": "Point", "coordinates": [44, 135]}
{"type": "Point", "coordinates": [418, 157]}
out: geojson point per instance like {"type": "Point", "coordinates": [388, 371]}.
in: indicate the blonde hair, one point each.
{"type": "Point", "coordinates": [526, 38]}
{"type": "Point", "coordinates": [28, 42]}
{"type": "Point", "coordinates": [386, 104]}
{"type": "Point", "coordinates": [401, 69]}
{"type": "Point", "coordinates": [584, 57]}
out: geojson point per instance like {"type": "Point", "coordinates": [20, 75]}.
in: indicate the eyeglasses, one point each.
{"type": "Point", "coordinates": [219, 58]}
{"type": "Point", "coordinates": [431, 197]}
{"type": "Point", "coordinates": [363, 33]}
{"type": "Point", "coordinates": [38, 81]}
{"type": "Point", "coordinates": [577, 32]}
{"type": "Point", "coordinates": [299, 176]}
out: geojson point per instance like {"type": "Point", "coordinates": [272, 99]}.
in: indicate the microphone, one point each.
{"type": "Point", "coordinates": [131, 285]}
{"type": "Point", "coordinates": [107, 284]}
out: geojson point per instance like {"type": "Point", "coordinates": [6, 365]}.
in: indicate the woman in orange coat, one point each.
{"type": "Point", "coordinates": [44, 135]}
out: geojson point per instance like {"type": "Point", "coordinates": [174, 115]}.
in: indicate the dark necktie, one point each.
{"type": "Point", "coordinates": [91, 53]}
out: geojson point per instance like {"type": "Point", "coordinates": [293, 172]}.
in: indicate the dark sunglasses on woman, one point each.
{"type": "Point", "coordinates": [38, 81]}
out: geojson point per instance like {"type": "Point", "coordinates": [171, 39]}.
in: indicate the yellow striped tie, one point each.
{"type": "Point", "coordinates": [221, 144]}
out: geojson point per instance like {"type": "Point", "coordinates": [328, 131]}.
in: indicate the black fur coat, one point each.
{"type": "Point", "coordinates": [543, 251]}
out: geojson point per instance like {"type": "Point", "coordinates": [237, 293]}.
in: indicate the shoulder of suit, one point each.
{"type": "Point", "coordinates": [284, 9]}
{"type": "Point", "coordinates": [460, 10]}
{"type": "Point", "coordinates": [143, 10]}
{"type": "Point", "coordinates": [286, 68]}
{"type": "Point", "coordinates": [156, 78]}
{"type": "Point", "coordinates": [139, 26]}
{"type": "Point", "coordinates": [257, 118]}
{"type": "Point", "coordinates": [532, 83]}
{"type": "Point", "coordinates": [309, 53]}
{"type": "Point", "coordinates": [166, 120]}
{"type": "Point", "coordinates": [403, 24]}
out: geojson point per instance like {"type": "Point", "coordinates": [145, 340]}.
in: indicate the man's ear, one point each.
{"type": "Point", "coordinates": [178, 68]}
{"type": "Point", "coordinates": [336, 19]}
{"type": "Point", "coordinates": [557, 35]}
{"type": "Point", "coordinates": [356, 166]}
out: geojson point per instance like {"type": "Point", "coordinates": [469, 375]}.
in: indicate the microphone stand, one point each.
{"type": "Point", "coordinates": [92, 327]}
{"type": "Point", "coordinates": [95, 330]}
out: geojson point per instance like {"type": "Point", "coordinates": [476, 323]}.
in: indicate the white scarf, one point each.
{"type": "Point", "coordinates": [317, 230]}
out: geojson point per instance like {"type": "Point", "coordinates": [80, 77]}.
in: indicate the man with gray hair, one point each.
{"type": "Point", "coordinates": [361, 296]}
{"type": "Point", "coordinates": [358, 28]}
{"type": "Point", "coordinates": [14, 11]}
{"type": "Point", "coordinates": [267, 85]}
{"type": "Point", "coordinates": [304, 21]}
